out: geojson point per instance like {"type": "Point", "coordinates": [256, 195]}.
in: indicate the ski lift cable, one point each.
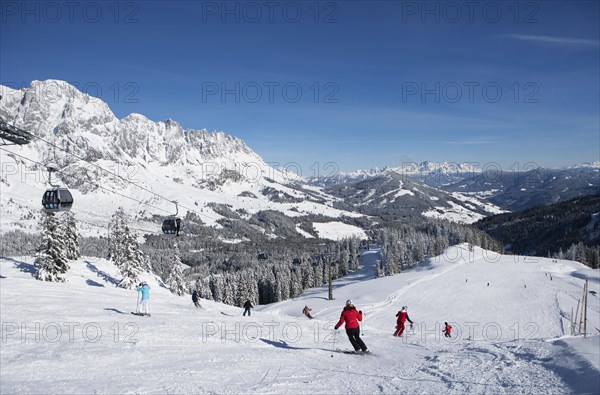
{"type": "Point", "coordinates": [89, 223]}
{"type": "Point", "coordinates": [122, 178]}
{"type": "Point", "coordinates": [23, 157]}
{"type": "Point", "coordinates": [116, 175]}
{"type": "Point", "coordinates": [98, 185]}
{"type": "Point", "coordinates": [146, 231]}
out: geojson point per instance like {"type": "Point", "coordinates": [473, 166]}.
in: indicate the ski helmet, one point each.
{"type": "Point", "coordinates": [348, 302]}
{"type": "Point", "coordinates": [403, 307]}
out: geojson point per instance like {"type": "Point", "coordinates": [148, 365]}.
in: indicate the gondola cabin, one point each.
{"type": "Point", "coordinates": [57, 199]}
{"type": "Point", "coordinates": [171, 227]}
{"type": "Point", "coordinates": [263, 256]}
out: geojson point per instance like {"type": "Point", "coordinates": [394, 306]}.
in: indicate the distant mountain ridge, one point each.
{"type": "Point", "coordinates": [545, 230]}
{"type": "Point", "coordinates": [517, 191]}
{"type": "Point", "coordinates": [395, 197]}
{"type": "Point", "coordinates": [447, 171]}
{"type": "Point", "coordinates": [509, 190]}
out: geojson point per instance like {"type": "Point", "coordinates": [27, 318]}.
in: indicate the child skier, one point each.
{"type": "Point", "coordinates": [306, 311]}
{"type": "Point", "coordinates": [352, 317]}
{"type": "Point", "coordinates": [447, 329]}
{"type": "Point", "coordinates": [402, 318]}
{"type": "Point", "coordinates": [144, 289]}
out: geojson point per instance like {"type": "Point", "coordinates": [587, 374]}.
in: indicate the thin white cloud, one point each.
{"type": "Point", "coordinates": [555, 40]}
{"type": "Point", "coordinates": [459, 142]}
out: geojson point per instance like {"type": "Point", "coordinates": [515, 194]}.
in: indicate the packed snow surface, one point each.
{"type": "Point", "coordinates": [338, 230]}
{"type": "Point", "coordinates": [511, 336]}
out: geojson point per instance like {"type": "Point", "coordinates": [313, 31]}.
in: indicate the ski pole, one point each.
{"type": "Point", "coordinates": [334, 339]}
{"type": "Point", "coordinates": [137, 305]}
{"type": "Point", "coordinates": [361, 324]}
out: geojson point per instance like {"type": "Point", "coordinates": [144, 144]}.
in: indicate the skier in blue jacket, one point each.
{"type": "Point", "coordinates": [144, 288]}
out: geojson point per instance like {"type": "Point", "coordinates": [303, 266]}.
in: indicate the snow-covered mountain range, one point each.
{"type": "Point", "coordinates": [394, 196]}
{"type": "Point", "coordinates": [510, 189]}
{"type": "Point", "coordinates": [146, 166]}
{"type": "Point", "coordinates": [136, 163]}
{"type": "Point", "coordinates": [517, 191]}
{"type": "Point", "coordinates": [441, 172]}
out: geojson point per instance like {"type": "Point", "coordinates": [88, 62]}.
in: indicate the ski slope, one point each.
{"type": "Point", "coordinates": [79, 336]}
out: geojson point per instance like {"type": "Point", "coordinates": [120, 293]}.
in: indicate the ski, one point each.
{"type": "Point", "coordinates": [356, 353]}
{"type": "Point", "coordinates": [141, 314]}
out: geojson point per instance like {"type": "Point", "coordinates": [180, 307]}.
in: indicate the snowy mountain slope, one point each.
{"type": "Point", "coordinates": [393, 196]}
{"type": "Point", "coordinates": [136, 163]}
{"type": "Point", "coordinates": [507, 190]}
{"type": "Point", "coordinates": [88, 342]}
{"type": "Point", "coordinates": [545, 230]}
{"type": "Point", "coordinates": [517, 191]}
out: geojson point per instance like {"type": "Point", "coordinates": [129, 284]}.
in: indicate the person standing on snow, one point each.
{"type": "Point", "coordinates": [447, 329]}
{"type": "Point", "coordinates": [402, 318]}
{"type": "Point", "coordinates": [306, 311]}
{"type": "Point", "coordinates": [352, 319]}
{"type": "Point", "coordinates": [144, 289]}
{"type": "Point", "coordinates": [247, 307]}
{"type": "Point", "coordinates": [196, 299]}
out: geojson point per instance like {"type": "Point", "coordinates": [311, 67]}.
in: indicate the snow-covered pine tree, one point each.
{"type": "Point", "coordinates": [393, 262]}
{"type": "Point", "coordinates": [419, 253]}
{"type": "Point", "coordinates": [51, 261]}
{"type": "Point", "coordinates": [295, 283]}
{"type": "Point", "coordinates": [284, 282]}
{"type": "Point", "coordinates": [230, 289]}
{"type": "Point", "coordinates": [125, 251]}
{"type": "Point", "coordinates": [355, 252]}
{"type": "Point", "coordinates": [318, 272]}
{"type": "Point", "coordinates": [70, 236]}
{"type": "Point", "coordinates": [308, 276]}
{"type": "Point", "coordinates": [115, 237]}
{"type": "Point", "coordinates": [344, 262]}
{"type": "Point", "coordinates": [216, 284]}
{"type": "Point", "coordinates": [266, 286]}
{"type": "Point", "coordinates": [247, 289]}
{"type": "Point", "coordinates": [203, 288]}
{"type": "Point", "coordinates": [133, 260]}
{"type": "Point", "coordinates": [378, 269]}
{"type": "Point", "coordinates": [175, 281]}
{"type": "Point", "coordinates": [581, 255]}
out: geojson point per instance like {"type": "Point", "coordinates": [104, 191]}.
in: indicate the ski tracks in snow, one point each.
{"type": "Point", "coordinates": [489, 368]}
{"type": "Point", "coordinates": [268, 378]}
{"type": "Point", "coordinates": [392, 299]}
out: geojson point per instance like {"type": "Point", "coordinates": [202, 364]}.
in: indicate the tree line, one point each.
{"type": "Point", "coordinates": [233, 272]}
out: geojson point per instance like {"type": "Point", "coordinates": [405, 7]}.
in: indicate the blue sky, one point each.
{"type": "Point", "coordinates": [357, 83]}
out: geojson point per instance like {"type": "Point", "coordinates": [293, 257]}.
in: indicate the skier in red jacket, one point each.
{"type": "Point", "coordinates": [447, 329]}
{"type": "Point", "coordinates": [352, 317]}
{"type": "Point", "coordinates": [402, 318]}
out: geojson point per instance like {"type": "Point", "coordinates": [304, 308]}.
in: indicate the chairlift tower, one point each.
{"type": "Point", "coordinates": [12, 135]}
